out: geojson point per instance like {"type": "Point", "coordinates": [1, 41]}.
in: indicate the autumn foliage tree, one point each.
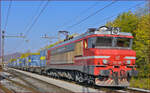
{"type": "Point", "coordinates": [142, 45]}
{"type": "Point", "coordinates": [139, 26]}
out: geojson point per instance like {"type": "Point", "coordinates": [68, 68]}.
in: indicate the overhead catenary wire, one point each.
{"type": "Point", "coordinates": [84, 11]}
{"type": "Point", "coordinates": [33, 23]}
{"type": "Point", "coordinates": [120, 12]}
{"type": "Point", "coordinates": [32, 18]}
{"type": "Point", "coordinates": [109, 17]}
{"type": "Point", "coordinates": [7, 15]}
{"type": "Point", "coordinates": [78, 16]}
{"type": "Point", "coordinates": [91, 15]}
{"type": "Point", "coordinates": [36, 18]}
{"type": "Point", "coordinates": [70, 5]}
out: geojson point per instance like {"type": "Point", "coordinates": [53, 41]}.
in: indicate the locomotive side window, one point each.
{"type": "Point", "coordinates": [63, 49]}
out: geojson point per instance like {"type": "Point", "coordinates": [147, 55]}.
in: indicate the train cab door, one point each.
{"type": "Point", "coordinates": [85, 46]}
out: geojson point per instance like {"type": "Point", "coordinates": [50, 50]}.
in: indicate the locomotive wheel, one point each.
{"type": "Point", "coordinates": [41, 72]}
{"type": "Point", "coordinates": [79, 77]}
{"type": "Point", "coordinates": [91, 80]}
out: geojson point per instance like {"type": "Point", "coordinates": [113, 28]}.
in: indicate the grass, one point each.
{"type": "Point", "coordinates": [143, 83]}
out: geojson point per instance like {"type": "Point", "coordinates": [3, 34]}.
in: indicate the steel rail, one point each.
{"type": "Point", "coordinates": [122, 90]}
{"type": "Point", "coordinates": [5, 90]}
{"type": "Point", "coordinates": [45, 80]}
{"type": "Point", "coordinates": [24, 80]}
{"type": "Point", "coordinates": [138, 89]}
{"type": "Point", "coordinates": [40, 82]}
{"type": "Point", "coordinates": [98, 88]}
{"type": "Point", "coordinates": [22, 85]}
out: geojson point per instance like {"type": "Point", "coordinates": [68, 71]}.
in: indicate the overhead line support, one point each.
{"type": "Point", "coordinates": [3, 44]}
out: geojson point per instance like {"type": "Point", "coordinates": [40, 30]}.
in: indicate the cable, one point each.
{"type": "Point", "coordinates": [83, 12]}
{"type": "Point", "coordinates": [76, 17]}
{"type": "Point", "coordinates": [37, 17]}
{"type": "Point", "coordinates": [34, 21]}
{"type": "Point", "coordinates": [7, 15]}
{"type": "Point", "coordinates": [32, 18]}
{"type": "Point", "coordinates": [91, 15]}
{"type": "Point", "coordinates": [117, 14]}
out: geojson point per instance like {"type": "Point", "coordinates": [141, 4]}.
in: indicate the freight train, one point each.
{"type": "Point", "coordinates": [102, 56]}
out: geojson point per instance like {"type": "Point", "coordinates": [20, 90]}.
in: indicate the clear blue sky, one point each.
{"type": "Point", "coordinates": [52, 19]}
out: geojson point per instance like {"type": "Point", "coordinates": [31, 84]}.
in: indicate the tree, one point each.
{"type": "Point", "coordinates": [127, 21]}
{"type": "Point", "coordinates": [139, 26]}
{"type": "Point", "coordinates": [142, 45]}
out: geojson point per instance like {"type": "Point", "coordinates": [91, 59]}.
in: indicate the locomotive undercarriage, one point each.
{"type": "Point", "coordinates": [71, 75]}
{"type": "Point", "coordinates": [114, 79]}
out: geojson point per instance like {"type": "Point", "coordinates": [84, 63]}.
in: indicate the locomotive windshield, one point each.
{"type": "Point", "coordinates": [103, 41]}
{"type": "Point", "coordinates": [107, 42]}
{"type": "Point", "coordinates": [122, 42]}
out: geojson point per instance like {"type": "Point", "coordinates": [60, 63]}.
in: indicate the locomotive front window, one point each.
{"type": "Point", "coordinates": [103, 42]}
{"type": "Point", "coordinates": [109, 42]}
{"type": "Point", "coordinates": [123, 42]}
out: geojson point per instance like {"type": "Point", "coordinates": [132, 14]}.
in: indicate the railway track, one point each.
{"type": "Point", "coordinates": [3, 89]}
{"type": "Point", "coordinates": [96, 88]}
{"type": "Point", "coordinates": [36, 84]}
{"type": "Point", "coordinates": [19, 84]}
{"type": "Point", "coordinates": [46, 79]}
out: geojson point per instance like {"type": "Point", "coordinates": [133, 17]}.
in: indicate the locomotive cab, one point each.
{"type": "Point", "coordinates": [112, 57]}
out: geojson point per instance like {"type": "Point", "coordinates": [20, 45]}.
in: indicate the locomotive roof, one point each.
{"type": "Point", "coordinates": [91, 33]}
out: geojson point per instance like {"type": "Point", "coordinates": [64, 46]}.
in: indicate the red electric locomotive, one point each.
{"type": "Point", "coordinates": [101, 56]}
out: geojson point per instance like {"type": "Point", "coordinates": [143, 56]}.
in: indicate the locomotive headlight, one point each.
{"type": "Point", "coordinates": [128, 62]}
{"type": "Point", "coordinates": [105, 61]}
